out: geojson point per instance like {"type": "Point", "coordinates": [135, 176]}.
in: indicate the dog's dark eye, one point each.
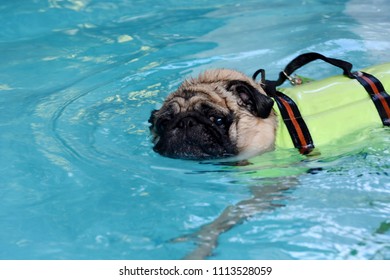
{"type": "Point", "coordinates": [219, 121]}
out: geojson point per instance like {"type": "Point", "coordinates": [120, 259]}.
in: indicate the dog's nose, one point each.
{"type": "Point", "coordinates": [186, 122]}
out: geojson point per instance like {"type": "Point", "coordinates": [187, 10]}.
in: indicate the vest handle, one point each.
{"type": "Point", "coordinates": [306, 58]}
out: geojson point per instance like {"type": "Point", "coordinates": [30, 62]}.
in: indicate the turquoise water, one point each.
{"type": "Point", "coordinates": [79, 179]}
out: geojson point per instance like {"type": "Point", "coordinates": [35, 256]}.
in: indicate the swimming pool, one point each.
{"type": "Point", "coordinates": [79, 179]}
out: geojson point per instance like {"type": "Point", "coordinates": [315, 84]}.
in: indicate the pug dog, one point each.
{"type": "Point", "coordinates": [221, 113]}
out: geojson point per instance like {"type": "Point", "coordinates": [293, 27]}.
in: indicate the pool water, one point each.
{"type": "Point", "coordinates": [79, 179]}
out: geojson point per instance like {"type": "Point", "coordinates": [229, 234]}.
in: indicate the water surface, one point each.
{"type": "Point", "coordinates": [79, 179]}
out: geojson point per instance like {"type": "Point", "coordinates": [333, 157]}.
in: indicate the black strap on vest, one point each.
{"type": "Point", "coordinates": [296, 125]}
{"type": "Point", "coordinates": [377, 93]}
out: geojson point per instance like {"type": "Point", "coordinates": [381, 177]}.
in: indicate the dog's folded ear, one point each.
{"type": "Point", "coordinates": [257, 103]}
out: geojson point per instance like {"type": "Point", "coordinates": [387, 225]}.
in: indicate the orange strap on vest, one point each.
{"type": "Point", "coordinates": [377, 93]}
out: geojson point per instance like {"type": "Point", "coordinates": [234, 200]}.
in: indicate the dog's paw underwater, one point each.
{"type": "Point", "coordinates": [224, 113]}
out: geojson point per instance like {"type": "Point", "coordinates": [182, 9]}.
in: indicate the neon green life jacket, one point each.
{"type": "Point", "coordinates": [333, 107]}
{"type": "Point", "coordinates": [320, 113]}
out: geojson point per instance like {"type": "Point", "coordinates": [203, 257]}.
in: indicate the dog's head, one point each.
{"type": "Point", "coordinates": [221, 113]}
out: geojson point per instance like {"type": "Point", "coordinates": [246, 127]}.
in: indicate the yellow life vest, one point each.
{"type": "Point", "coordinates": [333, 107]}
{"type": "Point", "coordinates": [316, 113]}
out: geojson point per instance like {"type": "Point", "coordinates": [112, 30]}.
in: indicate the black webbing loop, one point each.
{"type": "Point", "coordinates": [306, 58]}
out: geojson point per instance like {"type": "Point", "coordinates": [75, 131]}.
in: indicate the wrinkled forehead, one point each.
{"type": "Point", "coordinates": [216, 75]}
{"type": "Point", "coordinates": [198, 97]}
